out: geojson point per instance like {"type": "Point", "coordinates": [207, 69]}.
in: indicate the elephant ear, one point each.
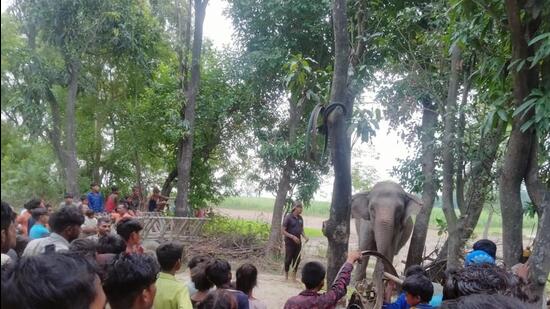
{"type": "Point", "coordinates": [413, 206]}
{"type": "Point", "coordinates": [360, 206]}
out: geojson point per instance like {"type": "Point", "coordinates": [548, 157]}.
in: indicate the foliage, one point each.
{"type": "Point", "coordinates": [237, 229]}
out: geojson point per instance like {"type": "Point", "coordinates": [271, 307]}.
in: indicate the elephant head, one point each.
{"type": "Point", "coordinates": [383, 217]}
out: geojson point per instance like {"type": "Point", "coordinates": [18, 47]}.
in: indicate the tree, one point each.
{"type": "Point", "coordinates": [185, 151]}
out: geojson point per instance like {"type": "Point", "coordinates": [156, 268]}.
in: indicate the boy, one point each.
{"type": "Point", "coordinates": [418, 291]}
{"type": "Point", "coordinates": [313, 277]}
{"type": "Point", "coordinates": [219, 273]}
{"type": "Point", "coordinates": [484, 253]}
{"type": "Point", "coordinates": [129, 230]}
{"type": "Point", "coordinates": [67, 201]}
{"type": "Point", "coordinates": [95, 198]}
{"type": "Point", "coordinates": [130, 282]}
{"type": "Point", "coordinates": [171, 294]}
{"type": "Point", "coordinates": [41, 217]}
{"type": "Point", "coordinates": [401, 302]}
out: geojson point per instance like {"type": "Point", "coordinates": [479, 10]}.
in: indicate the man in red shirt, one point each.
{"type": "Point", "coordinates": [112, 200]}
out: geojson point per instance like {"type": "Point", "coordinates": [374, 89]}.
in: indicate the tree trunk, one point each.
{"type": "Point", "coordinates": [71, 167]}
{"type": "Point", "coordinates": [274, 243]}
{"type": "Point", "coordinates": [453, 253]}
{"type": "Point", "coordinates": [336, 229]}
{"type": "Point", "coordinates": [296, 110]}
{"type": "Point", "coordinates": [460, 143]}
{"type": "Point", "coordinates": [516, 158]}
{"type": "Point", "coordinates": [168, 183]}
{"type": "Point", "coordinates": [186, 146]}
{"type": "Point", "coordinates": [488, 224]}
{"type": "Point", "coordinates": [96, 176]}
{"type": "Point", "coordinates": [539, 262]}
{"type": "Point", "coordinates": [427, 139]}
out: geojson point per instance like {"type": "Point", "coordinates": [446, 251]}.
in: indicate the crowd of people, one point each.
{"type": "Point", "coordinates": [82, 256]}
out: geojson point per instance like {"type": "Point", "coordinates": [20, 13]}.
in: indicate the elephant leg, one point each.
{"type": "Point", "coordinates": [366, 242]}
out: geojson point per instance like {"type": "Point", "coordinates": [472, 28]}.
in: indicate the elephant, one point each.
{"type": "Point", "coordinates": [383, 220]}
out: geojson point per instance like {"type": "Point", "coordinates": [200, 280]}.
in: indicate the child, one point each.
{"type": "Point", "coordinates": [313, 276]}
{"type": "Point", "coordinates": [219, 273]}
{"type": "Point", "coordinates": [418, 291]}
{"type": "Point", "coordinates": [39, 230]}
{"type": "Point", "coordinates": [247, 276]}
{"type": "Point", "coordinates": [401, 302]}
{"type": "Point", "coordinates": [484, 253]}
{"type": "Point", "coordinates": [171, 294]}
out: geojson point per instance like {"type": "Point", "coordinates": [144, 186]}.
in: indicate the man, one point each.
{"type": "Point", "coordinates": [293, 230]}
{"type": "Point", "coordinates": [8, 231]}
{"type": "Point", "coordinates": [39, 229]}
{"type": "Point", "coordinates": [89, 227]}
{"type": "Point", "coordinates": [121, 213]}
{"type": "Point", "coordinates": [313, 277]}
{"type": "Point", "coordinates": [135, 199]}
{"type": "Point", "coordinates": [112, 200]}
{"type": "Point", "coordinates": [130, 282]}
{"type": "Point", "coordinates": [111, 244]}
{"type": "Point", "coordinates": [95, 198]}
{"type": "Point", "coordinates": [83, 202]}
{"type": "Point", "coordinates": [103, 228]}
{"type": "Point", "coordinates": [67, 201]}
{"type": "Point", "coordinates": [129, 230]}
{"type": "Point", "coordinates": [219, 273]}
{"type": "Point", "coordinates": [24, 220]}
{"type": "Point", "coordinates": [65, 224]}
{"type": "Point", "coordinates": [171, 294]}
{"type": "Point", "coordinates": [157, 202]}
{"type": "Point", "coordinates": [52, 281]}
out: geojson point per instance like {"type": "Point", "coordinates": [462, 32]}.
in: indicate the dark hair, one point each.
{"type": "Point", "coordinates": [68, 195]}
{"type": "Point", "coordinates": [219, 299]}
{"type": "Point", "coordinates": [103, 219]}
{"type": "Point", "coordinates": [313, 274]}
{"type": "Point", "coordinates": [198, 259]}
{"type": "Point", "coordinates": [114, 189]}
{"type": "Point", "coordinates": [487, 246]}
{"type": "Point", "coordinates": [83, 197]}
{"type": "Point", "coordinates": [7, 216]}
{"type": "Point", "coordinates": [37, 212]}
{"type": "Point", "coordinates": [127, 226]}
{"type": "Point", "coordinates": [32, 204]}
{"type": "Point", "coordinates": [168, 254]}
{"type": "Point", "coordinates": [89, 212]}
{"type": "Point", "coordinates": [247, 277]}
{"type": "Point", "coordinates": [198, 276]}
{"type": "Point", "coordinates": [156, 190]}
{"type": "Point", "coordinates": [481, 278]}
{"type": "Point", "coordinates": [485, 301]}
{"type": "Point", "coordinates": [111, 244]}
{"type": "Point", "coordinates": [86, 247]}
{"type": "Point", "coordinates": [218, 272]}
{"type": "Point", "coordinates": [93, 184]}
{"type": "Point", "coordinates": [415, 270]}
{"type": "Point", "coordinates": [21, 243]}
{"type": "Point", "coordinates": [419, 285]}
{"type": "Point", "coordinates": [127, 276]}
{"type": "Point", "coordinates": [42, 281]}
{"type": "Point", "coordinates": [65, 217]}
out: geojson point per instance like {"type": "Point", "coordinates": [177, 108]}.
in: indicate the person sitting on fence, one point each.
{"type": "Point", "coordinates": [130, 281]}
{"type": "Point", "coordinates": [103, 228]}
{"type": "Point", "coordinates": [201, 282]}
{"type": "Point", "coordinates": [219, 273]}
{"type": "Point", "coordinates": [313, 277]}
{"type": "Point", "coordinates": [484, 252]}
{"type": "Point", "coordinates": [129, 230]}
{"type": "Point", "coordinates": [171, 294]}
{"type": "Point", "coordinates": [157, 202]}
{"type": "Point", "coordinates": [401, 301]}
{"type": "Point", "coordinates": [121, 213]}
{"type": "Point", "coordinates": [39, 229]}
{"type": "Point", "coordinates": [65, 224]}
{"type": "Point", "coordinates": [219, 299]}
{"type": "Point", "coordinates": [52, 281]}
{"type": "Point", "coordinates": [247, 277]}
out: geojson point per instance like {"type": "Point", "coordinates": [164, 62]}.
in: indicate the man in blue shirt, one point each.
{"type": "Point", "coordinates": [39, 229]}
{"type": "Point", "coordinates": [95, 198]}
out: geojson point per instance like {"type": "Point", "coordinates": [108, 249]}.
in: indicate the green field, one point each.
{"type": "Point", "coordinates": [321, 209]}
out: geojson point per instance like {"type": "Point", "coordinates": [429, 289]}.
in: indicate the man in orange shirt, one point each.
{"type": "Point", "coordinates": [121, 213]}
{"type": "Point", "coordinates": [22, 220]}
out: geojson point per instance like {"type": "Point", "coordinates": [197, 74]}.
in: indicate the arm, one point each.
{"type": "Point", "coordinates": [183, 299]}
{"type": "Point", "coordinates": [339, 287]}
{"type": "Point", "coordinates": [399, 303]}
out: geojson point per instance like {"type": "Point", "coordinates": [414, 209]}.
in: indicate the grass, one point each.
{"type": "Point", "coordinates": [321, 209]}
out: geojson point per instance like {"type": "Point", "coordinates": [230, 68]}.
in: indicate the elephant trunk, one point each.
{"type": "Point", "coordinates": [383, 235]}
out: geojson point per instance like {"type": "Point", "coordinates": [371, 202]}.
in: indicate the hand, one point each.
{"type": "Point", "coordinates": [390, 287]}
{"type": "Point", "coordinates": [296, 239]}
{"type": "Point", "coordinates": [353, 256]}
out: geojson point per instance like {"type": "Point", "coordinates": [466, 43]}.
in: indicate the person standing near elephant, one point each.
{"type": "Point", "coordinates": [293, 230]}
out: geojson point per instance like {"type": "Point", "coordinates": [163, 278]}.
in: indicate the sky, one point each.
{"type": "Point", "coordinates": [388, 147]}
